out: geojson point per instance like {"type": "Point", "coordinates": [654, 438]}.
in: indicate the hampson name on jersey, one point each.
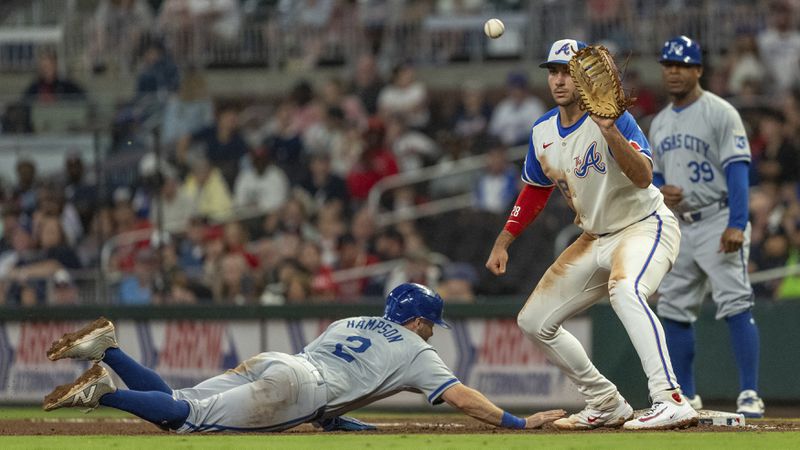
{"type": "Point", "coordinates": [684, 141]}
{"type": "Point", "coordinates": [379, 326]}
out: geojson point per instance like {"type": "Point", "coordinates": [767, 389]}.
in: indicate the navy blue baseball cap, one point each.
{"type": "Point", "coordinates": [561, 52]}
{"type": "Point", "coordinates": [411, 300]}
{"type": "Point", "coordinates": [681, 49]}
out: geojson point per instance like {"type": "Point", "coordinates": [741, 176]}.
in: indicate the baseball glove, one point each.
{"type": "Point", "coordinates": [597, 79]}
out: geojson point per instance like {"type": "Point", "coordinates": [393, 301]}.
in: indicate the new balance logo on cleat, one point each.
{"type": "Point", "coordinates": [85, 396]}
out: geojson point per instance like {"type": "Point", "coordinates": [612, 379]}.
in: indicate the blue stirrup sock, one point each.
{"type": "Point", "coordinates": [155, 407]}
{"type": "Point", "coordinates": [135, 375]}
{"type": "Point", "coordinates": [745, 343]}
{"type": "Point", "coordinates": [680, 343]}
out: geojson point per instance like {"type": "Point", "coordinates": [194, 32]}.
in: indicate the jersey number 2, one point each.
{"type": "Point", "coordinates": [701, 170]}
{"type": "Point", "coordinates": [363, 345]}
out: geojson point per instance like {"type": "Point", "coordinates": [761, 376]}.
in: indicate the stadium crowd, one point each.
{"type": "Point", "coordinates": [244, 202]}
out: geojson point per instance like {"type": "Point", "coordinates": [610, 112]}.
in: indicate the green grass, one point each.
{"type": "Point", "coordinates": [349, 442]}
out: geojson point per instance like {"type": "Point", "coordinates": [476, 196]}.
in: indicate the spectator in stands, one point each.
{"type": "Point", "coordinates": [362, 228]}
{"type": "Point", "coordinates": [497, 187]}
{"type": "Point", "coordinates": [34, 269]}
{"type": "Point", "coordinates": [305, 111]}
{"type": "Point", "coordinates": [233, 283]}
{"type": "Point", "coordinates": [352, 256]}
{"type": "Point", "coordinates": [208, 190]}
{"type": "Point", "coordinates": [10, 221]}
{"type": "Point", "coordinates": [51, 202]}
{"type": "Point", "coordinates": [412, 149]}
{"type": "Point", "coordinates": [779, 47]}
{"type": "Point", "coordinates": [473, 114]}
{"type": "Point", "coordinates": [366, 83]}
{"type": "Point", "coordinates": [223, 143]}
{"type": "Point", "coordinates": [405, 96]}
{"type": "Point", "coordinates": [333, 95]}
{"type": "Point", "coordinates": [25, 193]}
{"type": "Point", "coordinates": [322, 185]}
{"type": "Point", "coordinates": [118, 28]}
{"type": "Point", "coordinates": [187, 111]}
{"type": "Point", "coordinates": [100, 230]}
{"type": "Point", "coordinates": [331, 227]}
{"type": "Point", "coordinates": [744, 64]}
{"type": "Point", "coordinates": [138, 288]}
{"type": "Point", "coordinates": [174, 204]}
{"type": "Point", "coordinates": [159, 76]}
{"type": "Point", "coordinates": [332, 135]}
{"type": "Point", "coordinates": [49, 87]}
{"type": "Point", "coordinates": [389, 244]}
{"type": "Point", "coordinates": [417, 267]}
{"type": "Point", "coordinates": [775, 158]}
{"type": "Point", "coordinates": [455, 148]}
{"type": "Point", "coordinates": [236, 238]}
{"type": "Point", "coordinates": [511, 119]}
{"type": "Point", "coordinates": [77, 191]}
{"type": "Point", "coordinates": [277, 292]}
{"type": "Point", "coordinates": [322, 285]}
{"type": "Point", "coordinates": [191, 250]}
{"type": "Point", "coordinates": [16, 119]}
{"type": "Point", "coordinates": [375, 163]}
{"type": "Point", "coordinates": [209, 21]}
{"type": "Point", "coordinates": [458, 282]}
{"type": "Point", "coordinates": [285, 143]}
{"type": "Point", "coordinates": [23, 247]}
{"type": "Point", "coordinates": [263, 187]}
{"type": "Point", "coordinates": [63, 290]}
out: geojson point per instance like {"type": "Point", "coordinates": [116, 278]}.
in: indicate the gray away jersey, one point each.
{"type": "Point", "coordinates": [363, 359]}
{"type": "Point", "coordinates": [692, 146]}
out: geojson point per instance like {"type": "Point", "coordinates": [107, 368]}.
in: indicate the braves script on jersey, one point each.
{"type": "Point", "coordinates": [693, 146]}
{"type": "Point", "coordinates": [363, 359]}
{"type": "Point", "coordinates": [578, 161]}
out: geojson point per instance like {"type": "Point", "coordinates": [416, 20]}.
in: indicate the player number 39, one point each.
{"type": "Point", "coordinates": [700, 171]}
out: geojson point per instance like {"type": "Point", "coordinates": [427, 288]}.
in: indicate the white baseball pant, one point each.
{"type": "Point", "coordinates": [628, 266]}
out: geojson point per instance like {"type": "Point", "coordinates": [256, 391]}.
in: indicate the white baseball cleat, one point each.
{"type": "Point", "coordinates": [750, 404]}
{"type": "Point", "coordinates": [85, 392]}
{"type": "Point", "coordinates": [89, 343]}
{"type": "Point", "coordinates": [695, 402]}
{"type": "Point", "coordinates": [613, 413]}
{"type": "Point", "coordinates": [666, 413]}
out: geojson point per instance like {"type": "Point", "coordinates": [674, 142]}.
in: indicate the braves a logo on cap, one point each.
{"type": "Point", "coordinates": [592, 159]}
{"type": "Point", "coordinates": [564, 49]}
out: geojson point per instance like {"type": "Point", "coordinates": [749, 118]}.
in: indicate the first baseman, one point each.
{"type": "Point", "coordinates": [630, 239]}
{"type": "Point", "coordinates": [701, 162]}
{"type": "Point", "coordinates": [356, 361]}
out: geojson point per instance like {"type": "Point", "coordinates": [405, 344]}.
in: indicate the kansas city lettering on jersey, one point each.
{"type": "Point", "coordinates": [683, 141]}
{"type": "Point", "coordinates": [379, 326]}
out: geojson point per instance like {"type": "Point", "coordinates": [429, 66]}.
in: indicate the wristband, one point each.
{"type": "Point", "coordinates": [512, 421]}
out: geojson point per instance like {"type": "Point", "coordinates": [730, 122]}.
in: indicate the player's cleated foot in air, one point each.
{"type": "Point", "coordinates": [85, 392]}
{"type": "Point", "coordinates": [89, 343]}
{"type": "Point", "coordinates": [695, 402]}
{"type": "Point", "coordinates": [345, 423]}
{"type": "Point", "coordinates": [667, 413]}
{"type": "Point", "coordinates": [750, 404]}
{"type": "Point", "coordinates": [613, 413]}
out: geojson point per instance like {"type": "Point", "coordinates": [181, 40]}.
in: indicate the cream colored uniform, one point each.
{"type": "Point", "coordinates": [630, 241]}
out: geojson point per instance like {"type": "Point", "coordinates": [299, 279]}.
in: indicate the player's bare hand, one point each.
{"type": "Point", "coordinates": [497, 260]}
{"type": "Point", "coordinates": [541, 418]}
{"type": "Point", "coordinates": [731, 240]}
{"type": "Point", "coordinates": [672, 195]}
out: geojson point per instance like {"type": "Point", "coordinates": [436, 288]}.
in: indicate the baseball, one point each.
{"type": "Point", "coordinates": [494, 28]}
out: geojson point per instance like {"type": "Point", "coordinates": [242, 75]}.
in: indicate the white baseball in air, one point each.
{"type": "Point", "coordinates": [494, 28]}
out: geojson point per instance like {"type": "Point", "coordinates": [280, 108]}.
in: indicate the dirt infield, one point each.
{"type": "Point", "coordinates": [89, 426]}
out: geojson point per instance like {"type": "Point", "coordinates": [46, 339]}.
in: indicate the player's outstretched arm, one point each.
{"type": "Point", "coordinates": [635, 165]}
{"type": "Point", "coordinates": [475, 404]}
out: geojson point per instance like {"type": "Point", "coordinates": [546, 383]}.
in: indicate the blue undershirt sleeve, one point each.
{"type": "Point", "coordinates": [736, 175]}
{"type": "Point", "coordinates": [658, 179]}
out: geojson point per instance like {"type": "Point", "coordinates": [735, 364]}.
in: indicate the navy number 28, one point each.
{"type": "Point", "coordinates": [362, 345]}
{"type": "Point", "coordinates": [701, 171]}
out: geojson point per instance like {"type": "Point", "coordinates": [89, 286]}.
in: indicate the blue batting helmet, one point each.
{"type": "Point", "coordinates": [683, 50]}
{"type": "Point", "coordinates": [410, 300]}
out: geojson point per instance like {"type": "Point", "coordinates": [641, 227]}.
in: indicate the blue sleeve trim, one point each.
{"type": "Point", "coordinates": [658, 179]}
{"type": "Point", "coordinates": [546, 116]}
{"type": "Point", "coordinates": [736, 175]}
{"type": "Point", "coordinates": [735, 158]}
{"type": "Point", "coordinates": [630, 130]}
{"type": "Point", "coordinates": [440, 390]}
{"type": "Point", "coordinates": [532, 172]}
